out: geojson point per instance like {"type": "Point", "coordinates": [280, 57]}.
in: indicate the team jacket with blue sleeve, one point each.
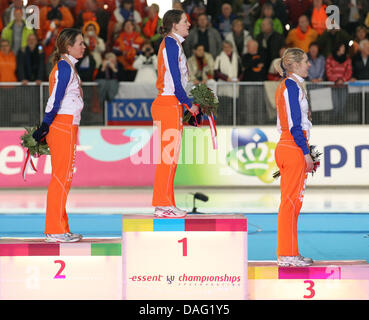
{"type": "Point", "coordinates": [64, 92]}
{"type": "Point", "coordinates": [292, 113]}
{"type": "Point", "coordinates": [172, 70]}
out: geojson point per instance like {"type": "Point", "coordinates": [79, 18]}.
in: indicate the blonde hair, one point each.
{"type": "Point", "coordinates": [284, 65]}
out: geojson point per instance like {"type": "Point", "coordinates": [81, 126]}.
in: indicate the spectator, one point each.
{"type": "Point", "coordinates": [146, 64]}
{"type": "Point", "coordinates": [31, 62]}
{"type": "Point", "coordinates": [280, 11]}
{"type": "Point", "coordinates": [8, 62]}
{"type": "Point", "coordinates": [244, 10]}
{"type": "Point", "coordinates": [360, 34]}
{"type": "Point", "coordinates": [110, 73]}
{"type": "Point", "coordinates": [360, 63]}
{"type": "Point", "coordinates": [8, 15]}
{"type": "Point", "coordinates": [192, 8]}
{"type": "Point", "coordinates": [16, 32]}
{"type": "Point", "coordinates": [267, 11]}
{"type": "Point", "coordinates": [93, 12]}
{"type": "Point", "coordinates": [224, 22]}
{"type": "Point", "coordinates": [338, 69]}
{"type": "Point", "coordinates": [95, 44]}
{"type": "Point", "coordinates": [125, 12]}
{"type": "Point", "coordinates": [253, 63]}
{"type": "Point", "coordinates": [269, 41]}
{"type": "Point", "coordinates": [54, 16]}
{"type": "Point", "coordinates": [200, 65]}
{"type": "Point", "coordinates": [302, 35]}
{"type": "Point", "coordinates": [178, 6]}
{"type": "Point", "coordinates": [203, 34]}
{"type": "Point", "coordinates": [352, 13]}
{"type": "Point", "coordinates": [86, 66]}
{"type": "Point", "coordinates": [317, 63]}
{"type": "Point", "coordinates": [151, 25]}
{"type": "Point", "coordinates": [295, 9]}
{"type": "Point", "coordinates": [330, 38]}
{"type": "Point", "coordinates": [126, 47]}
{"type": "Point", "coordinates": [319, 16]}
{"type": "Point", "coordinates": [273, 74]}
{"type": "Point", "coordinates": [239, 37]}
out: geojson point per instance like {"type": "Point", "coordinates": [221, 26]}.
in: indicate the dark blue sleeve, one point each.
{"type": "Point", "coordinates": [64, 72]}
{"type": "Point", "coordinates": [172, 55]}
{"type": "Point", "coordinates": [296, 130]}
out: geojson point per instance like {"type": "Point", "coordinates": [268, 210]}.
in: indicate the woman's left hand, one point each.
{"type": "Point", "coordinates": [194, 109]}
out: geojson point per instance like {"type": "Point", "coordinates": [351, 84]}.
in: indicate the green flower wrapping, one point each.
{"type": "Point", "coordinates": [205, 99]}
{"type": "Point", "coordinates": [35, 149]}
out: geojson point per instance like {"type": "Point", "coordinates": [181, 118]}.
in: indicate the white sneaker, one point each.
{"type": "Point", "coordinates": [63, 237]}
{"type": "Point", "coordinates": [294, 261]}
{"type": "Point", "coordinates": [169, 212]}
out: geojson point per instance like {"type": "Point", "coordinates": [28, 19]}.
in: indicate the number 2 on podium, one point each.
{"type": "Point", "coordinates": [184, 246]}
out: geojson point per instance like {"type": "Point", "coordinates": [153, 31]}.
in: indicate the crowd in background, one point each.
{"type": "Point", "coordinates": [228, 41]}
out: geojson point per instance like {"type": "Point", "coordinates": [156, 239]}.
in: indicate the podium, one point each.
{"type": "Point", "coordinates": [324, 280]}
{"type": "Point", "coordinates": [197, 257]}
{"type": "Point", "coordinates": [34, 269]}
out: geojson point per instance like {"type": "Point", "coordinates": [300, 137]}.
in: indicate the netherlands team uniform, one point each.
{"type": "Point", "coordinates": [294, 126]}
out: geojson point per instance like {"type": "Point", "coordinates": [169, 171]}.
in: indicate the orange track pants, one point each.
{"type": "Point", "coordinates": [167, 115]}
{"type": "Point", "coordinates": [61, 139]}
{"type": "Point", "coordinates": [291, 163]}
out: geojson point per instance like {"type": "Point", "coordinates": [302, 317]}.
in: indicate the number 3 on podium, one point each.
{"type": "Point", "coordinates": [310, 288]}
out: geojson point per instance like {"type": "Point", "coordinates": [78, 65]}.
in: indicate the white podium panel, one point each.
{"type": "Point", "coordinates": [198, 257]}
{"type": "Point", "coordinates": [324, 280]}
{"type": "Point", "coordinates": [33, 269]}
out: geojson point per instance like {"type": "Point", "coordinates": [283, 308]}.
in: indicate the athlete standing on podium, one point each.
{"type": "Point", "coordinates": [60, 127]}
{"type": "Point", "coordinates": [167, 110]}
{"type": "Point", "coordinates": [292, 153]}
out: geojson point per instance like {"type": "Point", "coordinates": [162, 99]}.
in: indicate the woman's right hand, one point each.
{"type": "Point", "coordinates": [309, 163]}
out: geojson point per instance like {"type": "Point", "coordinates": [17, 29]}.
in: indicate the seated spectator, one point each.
{"type": "Point", "coordinates": [200, 65]}
{"type": "Point", "coordinates": [110, 73]}
{"type": "Point", "coordinates": [227, 66]}
{"type": "Point", "coordinates": [360, 34]}
{"type": "Point", "coordinates": [178, 6]}
{"type": "Point", "coordinates": [94, 13]}
{"type": "Point", "coordinates": [253, 62]}
{"type": "Point", "coordinates": [193, 8]}
{"type": "Point", "coordinates": [126, 47]}
{"type": "Point", "coordinates": [295, 9]}
{"type": "Point", "coordinates": [125, 12]}
{"type": "Point", "coordinates": [280, 11]}
{"type": "Point", "coordinates": [338, 68]}
{"type": "Point", "coordinates": [203, 34]}
{"type": "Point", "coordinates": [360, 63]}
{"type": "Point", "coordinates": [16, 32]}
{"type": "Point", "coordinates": [239, 37]}
{"type": "Point", "coordinates": [94, 43]}
{"type": "Point", "coordinates": [54, 16]}
{"type": "Point", "coordinates": [86, 66]}
{"type": "Point", "coordinates": [8, 62]}
{"type": "Point", "coordinates": [302, 35]}
{"type": "Point", "coordinates": [31, 62]}
{"type": "Point", "coordinates": [330, 39]}
{"type": "Point", "coordinates": [352, 14]}
{"type": "Point", "coordinates": [319, 16]}
{"type": "Point", "coordinates": [224, 22]}
{"type": "Point", "coordinates": [269, 41]}
{"type": "Point", "coordinates": [267, 11]}
{"type": "Point", "coordinates": [146, 64]}
{"type": "Point", "coordinates": [243, 10]}
{"type": "Point", "coordinates": [8, 15]}
{"type": "Point", "coordinates": [151, 25]}
{"type": "Point", "coordinates": [273, 74]}
{"type": "Point", "coordinates": [317, 63]}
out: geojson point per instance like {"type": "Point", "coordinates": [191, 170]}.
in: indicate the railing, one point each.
{"type": "Point", "coordinates": [241, 103]}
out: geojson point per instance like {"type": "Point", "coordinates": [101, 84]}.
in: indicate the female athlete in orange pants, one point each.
{"type": "Point", "coordinates": [167, 110]}
{"type": "Point", "coordinates": [60, 127]}
{"type": "Point", "coordinates": [292, 153]}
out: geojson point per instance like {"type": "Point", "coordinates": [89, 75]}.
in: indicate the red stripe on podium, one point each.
{"type": "Point", "coordinates": [49, 249]}
{"type": "Point", "coordinates": [200, 225]}
{"type": "Point", "coordinates": [14, 249]}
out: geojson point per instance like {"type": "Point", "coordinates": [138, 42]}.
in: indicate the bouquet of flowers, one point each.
{"type": "Point", "coordinates": [208, 104]}
{"type": "Point", "coordinates": [34, 149]}
{"type": "Point", "coordinates": [315, 155]}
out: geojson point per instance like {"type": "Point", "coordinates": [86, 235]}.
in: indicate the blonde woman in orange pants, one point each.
{"type": "Point", "coordinates": [167, 110]}
{"type": "Point", "coordinates": [60, 127]}
{"type": "Point", "coordinates": [292, 153]}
